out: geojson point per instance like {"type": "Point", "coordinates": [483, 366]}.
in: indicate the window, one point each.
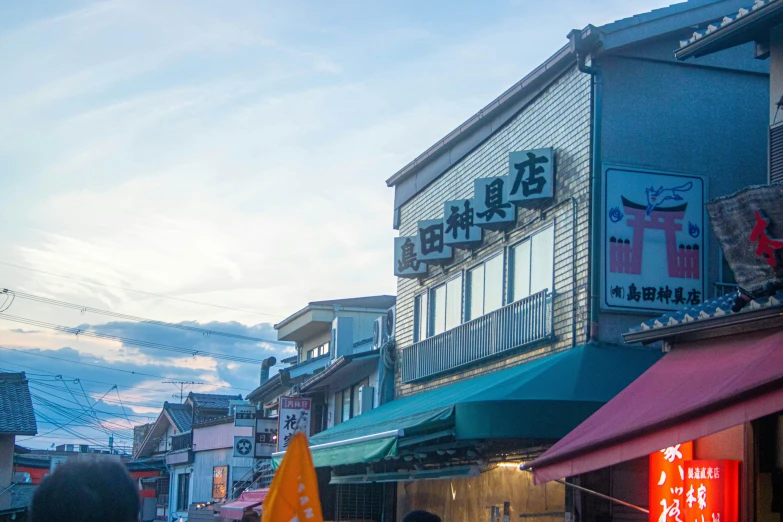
{"type": "Point", "coordinates": [485, 288]}
{"type": "Point", "coordinates": [420, 317]}
{"type": "Point", "coordinates": [532, 263]}
{"type": "Point", "coordinates": [346, 402]}
{"type": "Point", "coordinates": [446, 306]}
{"type": "Point", "coordinates": [318, 351]}
{"type": "Point", "coordinates": [183, 491]}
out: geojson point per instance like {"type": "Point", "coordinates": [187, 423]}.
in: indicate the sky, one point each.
{"type": "Point", "coordinates": [231, 155]}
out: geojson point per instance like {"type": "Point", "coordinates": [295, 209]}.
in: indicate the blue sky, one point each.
{"type": "Point", "coordinates": [229, 152]}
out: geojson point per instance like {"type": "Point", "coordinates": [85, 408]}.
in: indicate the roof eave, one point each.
{"type": "Point", "coordinates": [740, 31]}
{"type": "Point", "coordinates": [708, 328]}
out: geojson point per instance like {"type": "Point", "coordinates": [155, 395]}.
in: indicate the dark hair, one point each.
{"type": "Point", "coordinates": [86, 491]}
{"type": "Point", "coordinates": [421, 516]}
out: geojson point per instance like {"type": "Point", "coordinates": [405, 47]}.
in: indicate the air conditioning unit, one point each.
{"type": "Point", "coordinates": [342, 337]}
{"type": "Point", "coordinates": [380, 333]}
{"type": "Point", "coordinates": [366, 398]}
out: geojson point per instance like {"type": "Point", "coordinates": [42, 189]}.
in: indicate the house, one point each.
{"type": "Point", "coordinates": [530, 239]}
{"type": "Point", "coordinates": [171, 439]}
{"type": "Point", "coordinates": [16, 418]}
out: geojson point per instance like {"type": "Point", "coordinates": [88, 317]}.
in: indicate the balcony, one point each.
{"type": "Point", "coordinates": [181, 442]}
{"type": "Point", "coordinates": [507, 328]}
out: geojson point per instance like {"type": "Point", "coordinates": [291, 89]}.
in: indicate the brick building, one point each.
{"type": "Point", "coordinates": [508, 325]}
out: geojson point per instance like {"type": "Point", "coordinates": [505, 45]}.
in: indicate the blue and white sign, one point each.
{"type": "Point", "coordinates": [459, 221]}
{"type": "Point", "coordinates": [407, 262]}
{"type": "Point", "coordinates": [431, 242]}
{"type": "Point", "coordinates": [493, 208]}
{"type": "Point", "coordinates": [654, 247]}
{"type": "Point", "coordinates": [532, 174]}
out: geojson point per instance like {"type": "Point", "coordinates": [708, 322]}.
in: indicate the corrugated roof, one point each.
{"type": "Point", "coordinates": [16, 405]}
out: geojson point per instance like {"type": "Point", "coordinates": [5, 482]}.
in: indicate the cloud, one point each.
{"type": "Point", "coordinates": [23, 331]}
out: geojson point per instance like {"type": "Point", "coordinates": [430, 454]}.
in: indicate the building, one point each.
{"type": "Point", "coordinates": [714, 403]}
{"type": "Point", "coordinates": [170, 440]}
{"type": "Point", "coordinates": [530, 239]}
{"type": "Point", "coordinates": [16, 418]}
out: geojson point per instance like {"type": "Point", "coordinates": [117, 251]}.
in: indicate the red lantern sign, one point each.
{"type": "Point", "coordinates": [667, 483]}
{"type": "Point", "coordinates": [711, 491]}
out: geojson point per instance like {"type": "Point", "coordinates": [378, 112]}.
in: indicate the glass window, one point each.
{"type": "Point", "coordinates": [355, 396]}
{"type": "Point", "coordinates": [438, 314]}
{"type": "Point", "coordinates": [420, 318]}
{"type": "Point", "coordinates": [454, 303]}
{"type": "Point", "coordinates": [475, 294]}
{"type": "Point", "coordinates": [183, 491]}
{"type": "Point", "coordinates": [485, 288]}
{"type": "Point", "coordinates": [533, 265]}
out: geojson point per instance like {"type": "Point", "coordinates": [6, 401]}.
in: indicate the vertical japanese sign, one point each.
{"type": "Point", "coordinates": [407, 262]}
{"type": "Point", "coordinates": [266, 436]}
{"type": "Point", "coordinates": [219, 482]}
{"type": "Point", "coordinates": [667, 483]}
{"type": "Point", "coordinates": [294, 418]}
{"type": "Point", "coordinates": [532, 176]}
{"type": "Point", "coordinates": [654, 249]}
{"type": "Point", "coordinates": [494, 211]}
{"type": "Point", "coordinates": [244, 415]}
{"type": "Point", "coordinates": [711, 491]}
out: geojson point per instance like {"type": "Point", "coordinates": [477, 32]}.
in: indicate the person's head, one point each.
{"type": "Point", "coordinates": [421, 516]}
{"type": "Point", "coordinates": [86, 491]}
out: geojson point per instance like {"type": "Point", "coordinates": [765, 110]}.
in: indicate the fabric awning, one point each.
{"type": "Point", "coordinates": [692, 392]}
{"type": "Point", "coordinates": [248, 500]}
{"type": "Point", "coordinates": [541, 399]}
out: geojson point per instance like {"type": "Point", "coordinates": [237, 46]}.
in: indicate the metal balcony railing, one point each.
{"type": "Point", "coordinates": [512, 326]}
{"type": "Point", "coordinates": [722, 289]}
{"type": "Point", "coordinates": [182, 442]}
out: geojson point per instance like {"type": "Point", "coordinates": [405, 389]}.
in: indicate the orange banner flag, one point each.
{"type": "Point", "coordinates": [293, 495]}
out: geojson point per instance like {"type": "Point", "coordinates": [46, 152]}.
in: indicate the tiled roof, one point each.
{"type": "Point", "coordinates": [655, 14]}
{"type": "Point", "coordinates": [16, 405]}
{"type": "Point", "coordinates": [712, 309]}
{"type": "Point", "coordinates": [212, 401]}
{"type": "Point", "coordinates": [180, 414]}
{"type": "Point", "coordinates": [725, 22]}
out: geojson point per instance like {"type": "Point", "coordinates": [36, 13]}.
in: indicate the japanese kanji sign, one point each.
{"type": "Point", "coordinates": [532, 176]}
{"type": "Point", "coordinates": [432, 243]}
{"type": "Point", "coordinates": [266, 436]}
{"type": "Point", "coordinates": [654, 249]}
{"type": "Point", "coordinates": [711, 491]}
{"type": "Point", "coordinates": [459, 221]}
{"type": "Point", "coordinates": [244, 415]}
{"type": "Point", "coordinates": [667, 482]}
{"type": "Point", "coordinates": [493, 208]}
{"type": "Point", "coordinates": [406, 257]}
{"type": "Point", "coordinates": [749, 227]}
{"type": "Point", "coordinates": [219, 482]}
{"type": "Point", "coordinates": [294, 418]}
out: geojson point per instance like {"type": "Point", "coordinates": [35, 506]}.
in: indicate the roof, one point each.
{"type": "Point", "coordinates": [180, 414]}
{"type": "Point", "coordinates": [16, 405]}
{"type": "Point", "coordinates": [353, 365]}
{"type": "Point", "coordinates": [748, 23]}
{"type": "Point", "coordinates": [451, 149]}
{"type": "Point", "coordinates": [374, 302]}
{"type": "Point", "coordinates": [690, 393]}
{"type": "Point", "coordinates": [212, 401]}
{"type": "Point", "coordinates": [709, 314]}
{"type": "Point", "coordinates": [272, 384]}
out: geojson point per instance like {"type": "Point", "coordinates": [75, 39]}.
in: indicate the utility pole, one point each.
{"type": "Point", "coordinates": [181, 385]}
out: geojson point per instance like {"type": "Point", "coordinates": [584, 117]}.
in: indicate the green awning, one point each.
{"type": "Point", "coordinates": [541, 399]}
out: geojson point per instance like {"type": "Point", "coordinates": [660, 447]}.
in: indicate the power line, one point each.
{"type": "Point", "coordinates": [137, 291]}
{"type": "Point", "coordinates": [83, 308]}
{"type": "Point", "coordinates": [102, 367]}
{"type": "Point", "coordinates": [181, 385]}
{"type": "Point", "coordinates": [135, 342]}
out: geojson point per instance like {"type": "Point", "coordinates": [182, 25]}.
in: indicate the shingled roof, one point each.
{"type": "Point", "coordinates": [16, 406]}
{"type": "Point", "coordinates": [212, 401]}
{"type": "Point", "coordinates": [180, 415]}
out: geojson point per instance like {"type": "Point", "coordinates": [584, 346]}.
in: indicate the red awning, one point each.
{"type": "Point", "coordinates": [690, 393]}
{"type": "Point", "coordinates": [236, 509]}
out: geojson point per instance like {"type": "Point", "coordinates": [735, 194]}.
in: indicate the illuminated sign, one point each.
{"type": "Point", "coordinates": [667, 483]}
{"type": "Point", "coordinates": [711, 491]}
{"type": "Point", "coordinates": [219, 482]}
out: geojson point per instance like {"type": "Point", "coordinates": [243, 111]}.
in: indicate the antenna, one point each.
{"type": "Point", "coordinates": [181, 385]}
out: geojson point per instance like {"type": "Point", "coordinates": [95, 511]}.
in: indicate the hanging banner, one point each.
{"type": "Point", "coordinates": [667, 482]}
{"type": "Point", "coordinates": [294, 418]}
{"type": "Point", "coordinates": [654, 255]}
{"type": "Point", "coordinates": [749, 227]}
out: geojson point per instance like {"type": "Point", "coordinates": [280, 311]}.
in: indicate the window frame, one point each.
{"type": "Point", "coordinates": [511, 260]}
{"type": "Point", "coordinates": [419, 333]}
{"type": "Point", "coordinates": [431, 304]}
{"type": "Point", "coordinates": [467, 294]}
{"type": "Point", "coordinates": [352, 400]}
{"type": "Point", "coordinates": [180, 496]}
